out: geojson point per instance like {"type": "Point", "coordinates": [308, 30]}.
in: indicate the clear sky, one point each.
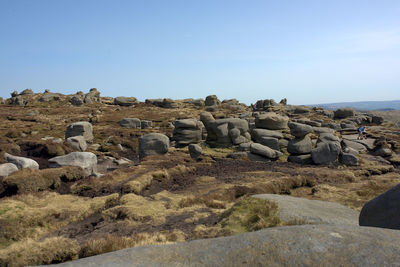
{"type": "Point", "coordinates": [307, 51]}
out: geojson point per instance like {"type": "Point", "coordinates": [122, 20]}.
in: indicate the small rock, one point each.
{"type": "Point", "coordinates": [195, 151]}
{"type": "Point", "coordinates": [77, 142]}
{"type": "Point", "coordinates": [132, 123]}
{"type": "Point", "coordinates": [7, 168]}
{"type": "Point", "coordinates": [264, 151]}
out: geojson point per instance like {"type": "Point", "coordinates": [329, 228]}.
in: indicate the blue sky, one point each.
{"type": "Point", "coordinates": [306, 51]}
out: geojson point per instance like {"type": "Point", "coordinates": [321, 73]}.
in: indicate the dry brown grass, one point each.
{"type": "Point", "coordinates": [32, 215]}
{"type": "Point", "coordinates": [112, 243]}
{"type": "Point", "coordinates": [32, 252]}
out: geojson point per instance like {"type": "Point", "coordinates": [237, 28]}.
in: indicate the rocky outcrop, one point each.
{"type": "Point", "coordinates": [125, 101]}
{"type": "Point", "coordinates": [271, 121]}
{"type": "Point", "coordinates": [153, 144]}
{"type": "Point", "coordinates": [343, 113]}
{"type": "Point", "coordinates": [133, 123]}
{"type": "Point", "coordinates": [300, 245]}
{"type": "Point", "coordinates": [221, 132]}
{"type": "Point", "coordinates": [85, 160]}
{"type": "Point", "coordinates": [187, 131]}
{"type": "Point", "coordinates": [82, 128]}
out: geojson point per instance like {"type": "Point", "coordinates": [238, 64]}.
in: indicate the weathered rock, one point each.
{"type": "Point", "coordinates": [92, 97]}
{"type": "Point", "coordinates": [311, 211]}
{"type": "Point", "coordinates": [348, 159]}
{"type": "Point", "coordinates": [320, 130]}
{"type": "Point", "coordinates": [300, 146]}
{"type": "Point", "coordinates": [326, 153]}
{"type": "Point", "coordinates": [283, 143]}
{"type": "Point", "coordinates": [301, 110]}
{"type": "Point", "coordinates": [301, 159]}
{"type": "Point", "coordinates": [300, 245]}
{"type": "Point", "coordinates": [18, 101]}
{"type": "Point", "coordinates": [153, 144]}
{"type": "Point", "coordinates": [187, 131]}
{"type": "Point", "coordinates": [125, 101]}
{"type": "Point", "coordinates": [270, 142]}
{"type": "Point", "coordinates": [283, 101]}
{"type": "Point", "coordinates": [76, 101]}
{"type": "Point", "coordinates": [85, 160]}
{"type": "Point", "coordinates": [258, 134]}
{"type": "Point", "coordinates": [21, 162]}
{"type": "Point", "coordinates": [218, 131]}
{"type": "Point", "coordinates": [198, 102]}
{"type": "Point", "coordinates": [82, 128]}
{"type": "Point", "coordinates": [299, 129]}
{"type": "Point", "coordinates": [343, 113]}
{"type": "Point", "coordinates": [144, 124]}
{"type": "Point", "coordinates": [271, 121]}
{"type": "Point", "coordinates": [77, 142]}
{"type": "Point", "coordinates": [47, 97]}
{"type": "Point", "coordinates": [212, 100]}
{"type": "Point", "coordinates": [354, 145]}
{"type": "Point", "coordinates": [133, 123]}
{"type": "Point", "coordinates": [383, 211]}
{"type": "Point", "coordinates": [27, 92]}
{"type": "Point", "coordinates": [236, 136]}
{"type": "Point", "coordinates": [328, 138]}
{"type": "Point", "coordinates": [244, 147]}
{"type": "Point", "coordinates": [383, 152]}
{"type": "Point", "coordinates": [14, 93]}
{"type": "Point", "coordinates": [195, 151]}
{"type": "Point", "coordinates": [169, 103]}
{"type": "Point", "coordinates": [207, 118]}
{"type": "Point", "coordinates": [7, 168]}
{"type": "Point", "coordinates": [264, 151]}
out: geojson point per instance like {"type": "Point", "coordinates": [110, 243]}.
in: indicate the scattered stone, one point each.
{"type": "Point", "coordinates": [144, 124]}
{"type": "Point", "coordinates": [271, 121]}
{"type": "Point", "coordinates": [82, 128]}
{"type": "Point", "coordinates": [133, 123]}
{"type": "Point", "coordinates": [264, 151]}
{"type": "Point", "coordinates": [311, 211]}
{"type": "Point", "coordinates": [125, 101]}
{"type": "Point", "coordinates": [153, 144]}
{"type": "Point", "coordinates": [76, 101]}
{"type": "Point", "coordinates": [195, 151]}
{"type": "Point", "coordinates": [7, 168]}
{"type": "Point", "coordinates": [77, 142]}
{"type": "Point", "coordinates": [85, 160]}
{"type": "Point", "coordinates": [21, 162]}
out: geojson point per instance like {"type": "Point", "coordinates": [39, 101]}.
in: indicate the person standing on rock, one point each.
{"type": "Point", "coordinates": [360, 133]}
{"type": "Point", "coordinates": [364, 132]}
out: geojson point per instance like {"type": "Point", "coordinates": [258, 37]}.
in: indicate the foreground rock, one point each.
{"type": "Point", "coordinates": [306, 245]}
{"type": "Point", "coordinates": [82, 128]}
{"type": "Point", "coordinates": [383, 211]}
{"type": "Point", "coordinates": [85, 160]}
{"type": "Point", "coordinates": [153, 144]}
{"type": "Point", "coordinates": [21, 162]}
{"type": "Point", "coordinates": [305, 211]}
{"type": "Point", "coordinates": [7, 168]}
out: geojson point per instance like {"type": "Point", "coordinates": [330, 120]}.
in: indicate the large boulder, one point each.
{"type": "Point", "coordinates": [21, 162]}
{"type": "Point", "coordinates": [311, 211]}
{"type": "Point", "coordinates": [219, 131]}
{"type": "Point", "coordinates": [125, 101]}
{"type": "Point", "coordinates": [326, 153]}
{"type": "Point", "coordinates": [264, 151]}
{"type": "Point", "coordinates": [299, 129]}
{"type": "Point", "coordinates": [85, 160]}
{"type": "Point", "coordinates": [82, 128]}
{"type": "Point", "coordinates": [270, 142]}
{"type": "Point", "coordinates": [383, 211]}
{"type": "Point", "coordinates": [76, 101]}
{"type": "Point", "coordinates": [187, 131]}
{"type": "Point", "coordinates": [343, 113]}
{"type": "Point", "coordinates": [299, 245]}
{"type": "Point", "coordinates": [301, 145]}
{"type": "Point", "coordinates": [7, 168]}
{"type": "Point", "coordinates": [133, 123]}
{"type": "Point", "coordinates": [153, 144]}
{"type": "Point", "coordinates": [271, 121]}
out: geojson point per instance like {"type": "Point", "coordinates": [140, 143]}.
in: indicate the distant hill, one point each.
{"type": "Point", "coordinates": [364, 105]}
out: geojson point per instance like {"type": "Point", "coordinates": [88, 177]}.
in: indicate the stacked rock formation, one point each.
{"type": "Point", "coordinates": [187, 131]}
{"type": "Point", "coordinates": [300, 147]}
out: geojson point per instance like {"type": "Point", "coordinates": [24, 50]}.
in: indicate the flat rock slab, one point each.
{"type": "Point", "coordinates": [368, 143]}
{"type": "Point", "coordinates": [306, 245]}
{"type": "Point", "coordinates": [308, 211]}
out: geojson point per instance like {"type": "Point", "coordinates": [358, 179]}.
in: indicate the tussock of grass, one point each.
{"type": "Point", "coordinates": [31, 252]}
{"type": "Point", "coordinates": [29, 215]}
{"type": "Point", "coordinates": [112, 243]}
{"type": "Point", "coordinates": [217, 152]}
{"type": "Point", "coordinates": [210, 203]}
{"type": "Point", "coordinates": [250, 214]}
{"type": "Point", "coordinates": [28, 180]}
